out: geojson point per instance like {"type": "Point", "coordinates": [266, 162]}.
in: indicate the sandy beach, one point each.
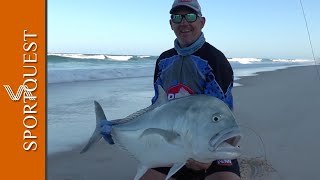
{"type": "Point", "coordinates": [278, 111]}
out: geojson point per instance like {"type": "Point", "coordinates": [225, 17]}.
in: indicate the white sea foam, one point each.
{"type": "Point", "coordinates": [80, 56]}
{"type": "Point", "coordinates": [144, 56]}
{"type": "Point", "coordinates": [119, 58]}
{"type": "Point", "coordinates": [293, 60]}
{"type": "Point", "coordinates": [258, 60]}
{"type": "Point", "coordinates": [245, 60]}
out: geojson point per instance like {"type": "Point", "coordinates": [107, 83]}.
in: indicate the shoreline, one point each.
{"type": "Point", "coordinates": [280, 106]}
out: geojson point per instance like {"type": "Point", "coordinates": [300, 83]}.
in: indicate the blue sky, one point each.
{"type": "Point", "coordinates": [246, 28]}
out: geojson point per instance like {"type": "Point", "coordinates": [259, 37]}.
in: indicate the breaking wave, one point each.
{"type": "Point", "coordinates": [98, 56]}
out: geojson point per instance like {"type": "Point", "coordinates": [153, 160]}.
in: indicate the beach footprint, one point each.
{"type": "Point", "coordinates": [257, 169]}
{"type": "Point", "coordinates": [253, 161]}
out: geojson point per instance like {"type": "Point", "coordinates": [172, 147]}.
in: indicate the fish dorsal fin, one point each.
{"type": "Point", "coordinates": [162, 97]}
{"type": "Point", "coordinates": [169, 136]}
{"type": "Point", "coordinates": [140, 172]}
{"type": "Point", "coordinates": [174, 169]}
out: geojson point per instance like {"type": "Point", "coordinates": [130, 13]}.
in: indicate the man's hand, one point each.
{"type": "Point", "coordinates": [195, 165]}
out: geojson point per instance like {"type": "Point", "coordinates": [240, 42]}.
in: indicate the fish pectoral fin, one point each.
{"type": "Point", "coordinates": [175, 168]}
{"type": "Point", "coordinates": [170, 136]}
{"type": "Point", "coordinates": [141, 171]}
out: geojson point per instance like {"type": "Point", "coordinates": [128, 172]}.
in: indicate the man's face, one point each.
{"type": "Point", "coordinates": [187, 33]}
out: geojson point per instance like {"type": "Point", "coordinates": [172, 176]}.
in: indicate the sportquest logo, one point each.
{"type": "Point", "coordinates": [26, 90]}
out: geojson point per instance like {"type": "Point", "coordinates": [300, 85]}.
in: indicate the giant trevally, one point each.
{"type": "Point", "coordinates": [168, 133]}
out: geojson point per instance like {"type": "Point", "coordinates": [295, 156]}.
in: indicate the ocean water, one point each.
{"type": "Point", "coordinates": [64, 68]}
{"type": "Point", "coordinates": [122, 84]}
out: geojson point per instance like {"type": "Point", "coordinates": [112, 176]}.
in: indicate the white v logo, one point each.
{"type": "Point", "coordinates": [17, 96]}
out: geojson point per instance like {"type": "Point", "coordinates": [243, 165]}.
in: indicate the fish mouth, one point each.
{"type": "Point", "coordinates": [226, 140]}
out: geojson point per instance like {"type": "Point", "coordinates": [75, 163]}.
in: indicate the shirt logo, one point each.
{"type": "Point", "coordinates": [178, 91]}
{"type": "Point", "coordinates": [224, 162]}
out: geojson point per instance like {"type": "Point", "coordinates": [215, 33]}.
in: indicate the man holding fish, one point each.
{"type": "Point", "coordinates": [189, 129]}
{"type": "Point", "coordinates": [194, 66]}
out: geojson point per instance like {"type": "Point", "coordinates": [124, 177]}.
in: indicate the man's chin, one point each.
{"type": "Point", "coordinates": [185, 42]}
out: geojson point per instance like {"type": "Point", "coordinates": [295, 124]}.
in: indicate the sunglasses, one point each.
{"type": "Point", "coordinates": [190, 18]}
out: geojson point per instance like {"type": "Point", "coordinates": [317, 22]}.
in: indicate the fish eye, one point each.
{"type": "Point", "coordinates": [216, 118]}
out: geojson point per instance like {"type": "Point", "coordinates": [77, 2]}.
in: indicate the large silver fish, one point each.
{"type": "Point", "coordinates": [168, 133]}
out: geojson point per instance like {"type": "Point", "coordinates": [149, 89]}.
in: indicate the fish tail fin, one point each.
{"type": "Point", "coordinates": [99, 131]}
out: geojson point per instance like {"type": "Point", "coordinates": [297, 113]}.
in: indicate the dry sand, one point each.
{"type": "Point", "coordinates": [280, 116]}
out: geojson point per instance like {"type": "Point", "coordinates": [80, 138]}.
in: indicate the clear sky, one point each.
{"type": "Point", "coordinates": [239, 28]}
